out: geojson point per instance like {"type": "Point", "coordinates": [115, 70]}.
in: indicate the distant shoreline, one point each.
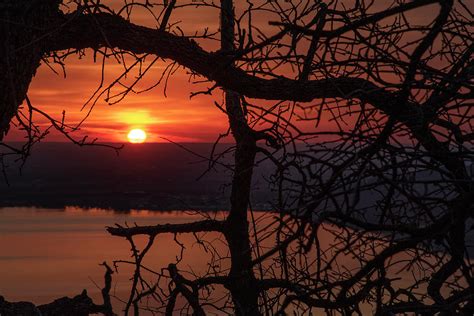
{"type": "Point", "coordinates": [157, 177]}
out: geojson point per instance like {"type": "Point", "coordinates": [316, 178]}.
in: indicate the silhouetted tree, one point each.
{"type": "Point", "coordinates": [374, 213]}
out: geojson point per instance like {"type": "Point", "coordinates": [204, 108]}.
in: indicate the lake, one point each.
{"type": "Point", "coordinates": [51, 253]}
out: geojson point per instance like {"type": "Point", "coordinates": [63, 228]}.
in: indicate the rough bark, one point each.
{"type": "Point", "coordinates": [242, 283]}
{"type": "Point", "coordinates": [22, 29]}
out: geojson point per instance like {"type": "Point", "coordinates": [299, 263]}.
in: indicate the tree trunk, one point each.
{"type": "Point", "coordinates": [22, 23]}
{"type": "Point", "coordinates": [242, 282]}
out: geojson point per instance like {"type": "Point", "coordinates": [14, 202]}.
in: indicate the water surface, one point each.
{"type": "Point", "coordinates": [47, 254]}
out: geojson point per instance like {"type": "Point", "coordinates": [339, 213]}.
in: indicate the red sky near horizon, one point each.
{"type": "Point", "coordinates": [175, 116]}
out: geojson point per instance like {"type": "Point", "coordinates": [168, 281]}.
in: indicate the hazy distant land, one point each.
{"type": "Point", "coordinates": [144, 176]}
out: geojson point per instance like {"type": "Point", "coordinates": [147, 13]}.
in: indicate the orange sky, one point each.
{"type": "Point", "coordinates": [176, 117]}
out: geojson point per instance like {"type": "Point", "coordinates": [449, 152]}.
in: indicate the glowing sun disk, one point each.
{"type": "Point", "coordinates": [136, 136]}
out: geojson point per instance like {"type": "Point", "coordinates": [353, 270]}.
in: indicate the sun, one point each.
{"type": "Point", "coordinates": [136, 136]}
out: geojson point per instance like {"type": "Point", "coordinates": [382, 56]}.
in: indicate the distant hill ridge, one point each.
{"type": "Point", "coordinates": [145, 176]}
